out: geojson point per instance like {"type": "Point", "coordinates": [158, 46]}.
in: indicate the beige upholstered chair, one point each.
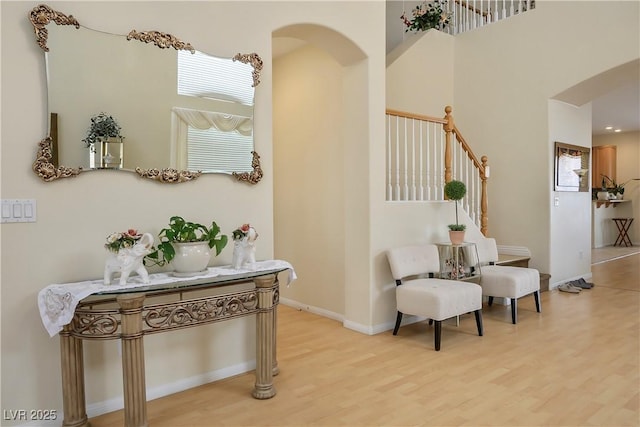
{"type": "Point", "coordinates": [506, 281]}
{"type": "Point", "coordinates": [435, 299]}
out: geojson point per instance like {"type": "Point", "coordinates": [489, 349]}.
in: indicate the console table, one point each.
{"type": "Point", "coordinates": [129, 313]}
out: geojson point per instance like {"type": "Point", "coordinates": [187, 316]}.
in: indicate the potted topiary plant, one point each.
{"type": "Point", "coordinates": [187, 245]}
{"type": "Point", "coordinates": [456, 190]}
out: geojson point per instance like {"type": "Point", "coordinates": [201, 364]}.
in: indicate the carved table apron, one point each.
{"type": "Point", "coordinates": [134, 319]}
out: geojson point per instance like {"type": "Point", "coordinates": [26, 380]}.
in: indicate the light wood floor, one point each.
{"type": "Point", "coordinates": [575, 364]}
{"type": "Point", "coordinates": [607, 253]}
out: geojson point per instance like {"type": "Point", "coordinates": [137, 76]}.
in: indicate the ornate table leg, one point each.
{"type": "Point", "coordinates": [74, 407]}
{"type": "Point", "coordinates": [276, 298]}
{"type": "Point", "coordinates": [135, 398]}
{"type": "Point", "coordinates": [264, 338]}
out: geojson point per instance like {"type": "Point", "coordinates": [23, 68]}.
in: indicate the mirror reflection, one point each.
{"type": "Point", "coordinates": [117, 102]}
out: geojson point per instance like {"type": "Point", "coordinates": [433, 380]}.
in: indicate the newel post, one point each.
{"type": "Point", "coordinates": [484, 205]}
{"type": "Point", "coordinates": [448, 128]}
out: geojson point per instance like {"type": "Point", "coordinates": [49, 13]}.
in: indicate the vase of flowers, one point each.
{"type": "Point", "coordinates": [427, 15]}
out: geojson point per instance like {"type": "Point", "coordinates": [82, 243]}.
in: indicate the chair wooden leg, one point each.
{"type": "Point", "coordinates": [478, 314]}
{"type": "Point", "coordinates": [490, 301]}
{"type": "Point", "coordinates": [398, 320]}
{"type": "Point", "coordinates": [438, 334]}
{"type": "Point", "coordinates": [536, 295]}
{"type": "Point", "coordinates": [514, 310]}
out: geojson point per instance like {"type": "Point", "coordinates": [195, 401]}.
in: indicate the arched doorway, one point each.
{"type": "Point", "coordinates": [317, 74]}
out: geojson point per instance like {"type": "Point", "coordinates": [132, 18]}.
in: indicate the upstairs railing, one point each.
{"type": "Point", "coordinates": [424, 153]}
{"type": "Point", "coordinates": [467, 15]}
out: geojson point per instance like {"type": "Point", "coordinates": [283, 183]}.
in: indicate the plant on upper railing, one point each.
{"type": "Point", "coordinates": [181, 231]}
{"type": "Point", "coordinates": [455, 190]}
{"type": "Point", "coordinates": [102, 125]}
{"type": "Point", "coordinates": [426, 16]}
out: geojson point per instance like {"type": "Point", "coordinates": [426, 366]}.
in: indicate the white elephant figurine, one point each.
{"type": "Point", "coordinates": [244, 246]}
{"type": "Point", "coordinates": [129, 260]}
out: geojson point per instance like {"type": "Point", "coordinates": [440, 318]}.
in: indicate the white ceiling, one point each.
{"type": "Point", "coordinates": [619, 108]}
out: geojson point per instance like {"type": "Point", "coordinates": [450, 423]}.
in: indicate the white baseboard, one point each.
{"type": "Point", "coordinates": [311, 309]}
{"type": "Point", "coordinates": [354, 326]}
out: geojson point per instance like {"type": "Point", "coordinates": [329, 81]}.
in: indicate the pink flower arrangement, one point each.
{"type": "Point", "coordinates": [117, 241]}
{"type": "Point", "coordinates": [426, 16]}
{"type": "Point", "coordinates": [241, 232]}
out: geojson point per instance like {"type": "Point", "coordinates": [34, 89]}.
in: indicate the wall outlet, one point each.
{"type": "Point", "coordinates": [556, 201]}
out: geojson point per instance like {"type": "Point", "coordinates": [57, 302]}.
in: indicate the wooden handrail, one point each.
{"type": "Point", "coordinates": [415, 116]}
{"type": "Point", "coordinates": [467, 149]}
{"type": "Point", "coordinates": [450, 128]}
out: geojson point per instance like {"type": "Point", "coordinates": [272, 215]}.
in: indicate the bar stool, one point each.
{"type": "Point", "coordinates": [623, 225]}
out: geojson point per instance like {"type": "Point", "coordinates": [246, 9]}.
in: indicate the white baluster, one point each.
{"type": "Point", "coordinates": [413, 160]}
{"type": "Point", "coordinates": [389, 187]}
{"type": "Point", "coordinates": [397, 192]}
{"type": "Point", "coordinates": [405, 186]}
{"type": "Point", "coordinates": [420, 163]}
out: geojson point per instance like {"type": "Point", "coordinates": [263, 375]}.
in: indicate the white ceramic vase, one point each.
{"type": "Point", "coordinates": [191, 258]}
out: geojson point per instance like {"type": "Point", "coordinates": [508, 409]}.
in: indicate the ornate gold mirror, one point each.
{"type": "Point", "coordinates": [169, 112]}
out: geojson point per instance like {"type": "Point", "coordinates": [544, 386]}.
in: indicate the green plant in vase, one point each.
{"type": "Point", "coordinates": [181, 238]}
{"type": "Point", "coordinates": [614, 188]}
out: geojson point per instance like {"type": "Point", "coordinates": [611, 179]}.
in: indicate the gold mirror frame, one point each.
{"type": "Point", "coordinates": [43, 15]}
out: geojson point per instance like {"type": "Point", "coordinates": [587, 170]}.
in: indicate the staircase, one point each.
{"type": "Point", "coordinates": [424, 153]}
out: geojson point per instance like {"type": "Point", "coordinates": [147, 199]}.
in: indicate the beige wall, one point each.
{"type": "Point", "coordinates": [420, 77]}
{"type": "Point", "coordinates": [628, 164]}
{"type": "Point", "coordinates": [570, 232]}
{"type": "Point", "coordinates": [309, 174]}
{"type": "Point", "coordinates": [75, 215]}
{"type": "Point", "coordinates": [504, 76]}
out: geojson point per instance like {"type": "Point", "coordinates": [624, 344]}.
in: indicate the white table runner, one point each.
{"type": "Point", "coordinates": [57, 302]}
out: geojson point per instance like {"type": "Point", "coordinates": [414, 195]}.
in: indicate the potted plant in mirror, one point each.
{"type": "Point", "coordinates": [102, 126]}
{"type": "Point", "coordinates": [187, 246]}
{"type": "Point", "coordinates": [456, 190]}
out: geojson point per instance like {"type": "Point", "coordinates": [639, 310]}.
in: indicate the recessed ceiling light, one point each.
{"type": "Point", "coordinates": [609, 127]}
{"type": "Point", "coordinates": [618, 130]}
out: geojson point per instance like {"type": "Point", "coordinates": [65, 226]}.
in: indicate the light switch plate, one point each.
{"type": "Point", "coordinates": [18, 210]}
